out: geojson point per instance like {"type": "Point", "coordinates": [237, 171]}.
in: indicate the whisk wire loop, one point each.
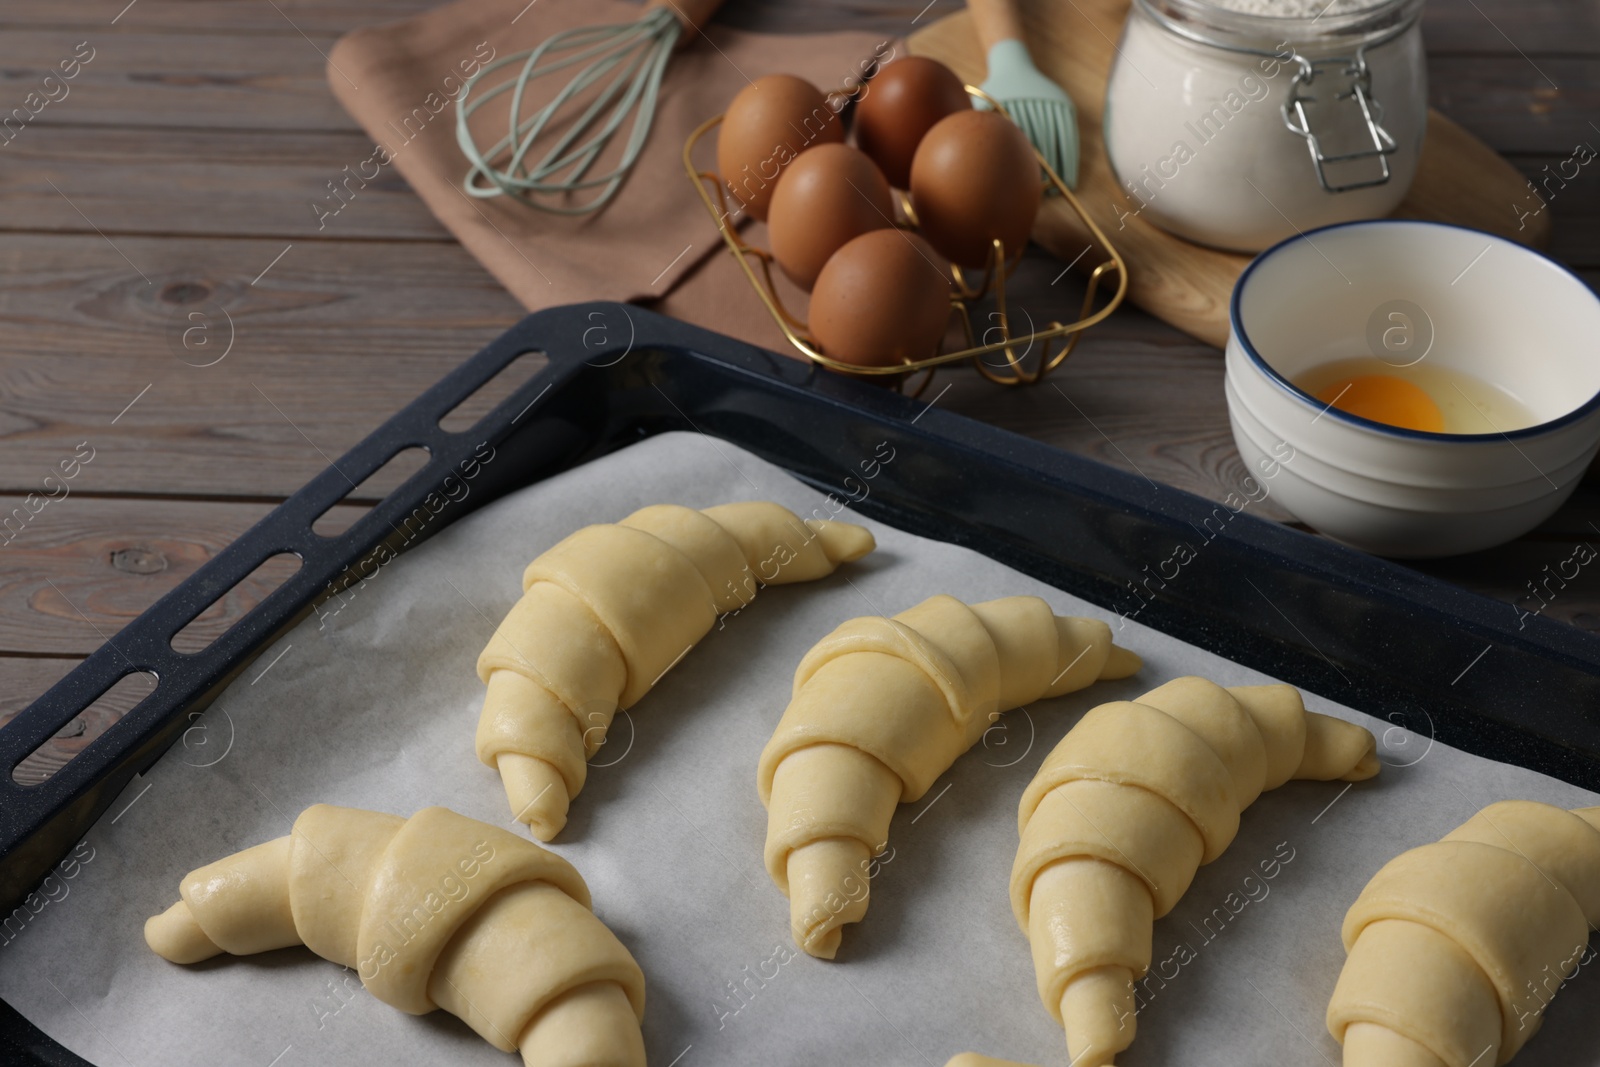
{"type": "Point", "coordinates": [634, 56]}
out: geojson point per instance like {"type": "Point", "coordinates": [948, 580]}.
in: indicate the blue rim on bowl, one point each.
{"type": "Point", "coordinates": [1236, 324]}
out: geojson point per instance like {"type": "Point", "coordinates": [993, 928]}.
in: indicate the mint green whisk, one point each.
{"type": "Point", "coordinates": [622, 63]}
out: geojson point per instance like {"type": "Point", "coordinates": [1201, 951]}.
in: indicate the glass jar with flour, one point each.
{"type": "Point", "coordinates": [1238, 123]}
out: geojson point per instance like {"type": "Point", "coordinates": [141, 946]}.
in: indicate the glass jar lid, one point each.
{"type": "Point", "coordinates": [1264, 26]}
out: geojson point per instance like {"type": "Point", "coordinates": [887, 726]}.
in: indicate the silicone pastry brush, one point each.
{"type": "Point", "coordinates": [1037, 104]}
{"type": "Point", "coordinates": [584, 115]}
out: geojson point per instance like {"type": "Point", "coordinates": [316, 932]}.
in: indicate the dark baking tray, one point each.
{"type": "Point", "coordinates": [1438, 662]}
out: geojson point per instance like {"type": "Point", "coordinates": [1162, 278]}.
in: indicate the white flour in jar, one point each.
{"type": "Point", "coordinates": [1295, 9]}
{"type": "Point", "coordinates": [1197, 140]}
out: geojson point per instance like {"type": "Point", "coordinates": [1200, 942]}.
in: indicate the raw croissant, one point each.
{"type": "Point", "coordinates": [972, 1059]}
{"type": "Point", "coordinates": [607, 611]}
{"type": "Point", "coordinates": [434, 911]}
{"type": "Point", "coordinates": [1455, 948]}
{"type": "Point", "coordinates": [1124, 811]}
{"type": "Point", "coordinates": [881, 708]}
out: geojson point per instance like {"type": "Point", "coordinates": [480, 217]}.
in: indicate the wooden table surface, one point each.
{"type": "Point", "coordinates": [170, 189]}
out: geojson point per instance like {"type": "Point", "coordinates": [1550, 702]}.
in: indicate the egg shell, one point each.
{"type": "Point", "coordinates": [827, 196]}
{"type": "Point", "coordinates": [975, 178]}
{"type": "Point", "coordinates": [769, 124]}
{"type": "Point", "coordinates": [881, 300]}
{"type": "Point", "coordinates": [901, 103]}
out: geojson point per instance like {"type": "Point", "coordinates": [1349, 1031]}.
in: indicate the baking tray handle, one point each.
{"type": "Point", "coordinates": [538, 429]}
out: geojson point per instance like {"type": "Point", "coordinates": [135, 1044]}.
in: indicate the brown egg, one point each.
{"type": "Point", "coordinates": [902, 102]}
{"type": "Point", "coordinates": [768, 125]}
{"type": "Point", "coordinates": [828, 195]}
{"type": "Point", "coordinates": [882, 299]}
{"type": "Point", "coordinates": [975, 178]}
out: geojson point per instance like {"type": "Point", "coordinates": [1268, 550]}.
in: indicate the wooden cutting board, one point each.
{"type": "Point", "coordinates": [1459, 178]}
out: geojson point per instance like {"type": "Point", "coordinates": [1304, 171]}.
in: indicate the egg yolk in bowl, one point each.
{"type": "Point", "coordinates": [1422, 397]}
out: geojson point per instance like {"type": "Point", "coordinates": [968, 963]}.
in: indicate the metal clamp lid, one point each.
{"type": "Point", "coordinates": [1295, 118]}
{"type": "Point", "coordinates": [1360, 91]}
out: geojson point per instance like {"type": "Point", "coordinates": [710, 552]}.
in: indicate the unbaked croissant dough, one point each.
{"type": "Point", "coordinates": [434, 911]}
{"type": "Point", "coordinates": [1455, 948]}
{"type": "Point", "coordinates": [882, 707]}
{"type": "Point", "coordinates": [972, 1059]}
{"type": "Point", "coordinates": [1124, 811]}
{"type": "Point", "coordinates": [607, 611]}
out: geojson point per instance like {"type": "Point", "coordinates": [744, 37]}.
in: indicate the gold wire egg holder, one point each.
{"type": "Point", "coordinates": [1017, 368]}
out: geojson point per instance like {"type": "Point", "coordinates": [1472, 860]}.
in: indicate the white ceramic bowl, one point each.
{"type": "Point", "coordinates": [1467, 301]}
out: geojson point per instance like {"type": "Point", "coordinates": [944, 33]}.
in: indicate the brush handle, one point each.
{"type": "Point", "coordinates": [997, 20]}
{"type": "Point", "coordinates": [694, 14]}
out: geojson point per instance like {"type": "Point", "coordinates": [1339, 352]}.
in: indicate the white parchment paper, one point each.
{"type": "Point", "coordinates": [373, 704]}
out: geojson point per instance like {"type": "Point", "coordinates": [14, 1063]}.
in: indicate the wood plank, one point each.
{"type": "Point", "coordinates": [86, 566]}
{"type": "Point", "coordinates": [137, 78]}
{"type": "Point", "coordinates": [1495, 27]}
{"type": "Point", "coordinates": [1574, 206]}
{"type": "Point", "coordinates": [188, 16]}
{"type": "Point", "coordinates": [336, 335]}
{"type": "Point", "coordinates": [1095, 408]}
{"type": "Point", "coordinates": [1535, 26]}
{"type": "Point", "coordinates": [1562, 27]}
{"type": "Point", "coordinates": [264, 183]}
{"type": "Point", "coordinates": [1516, 104]}
{"type": "Point", "coordinates": [329, 322]}
{"type": "Point", "coordinates": [277, 82]}
{"type": "Point", "coordinates": [320, 17]}
{"type": "Point", "coordinates": [213, 182]}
